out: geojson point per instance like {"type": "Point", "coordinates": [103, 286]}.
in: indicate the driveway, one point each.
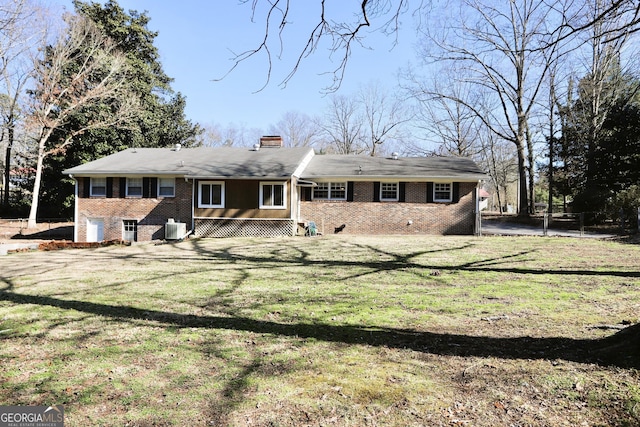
{"type": "Point", "coordinates": [502, 228]}
{"type": "Point", "coordinates": [5, 247]}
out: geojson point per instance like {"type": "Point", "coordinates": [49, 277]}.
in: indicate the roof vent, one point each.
{"type": "Point", "coordinates": [271, 142]}
{"type": "Point", "coordinates": [394, 155]}
{"type": "Point", "coordinates": [256, 147]}
{"type": "Point", "coordinates": [178, 147]}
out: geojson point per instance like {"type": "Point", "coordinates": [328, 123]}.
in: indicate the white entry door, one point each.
{"type": "Point", "coordinates": [95, 230]}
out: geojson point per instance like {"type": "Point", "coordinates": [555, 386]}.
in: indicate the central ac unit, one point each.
{"type": "Point", "coordinates": [175, 230]}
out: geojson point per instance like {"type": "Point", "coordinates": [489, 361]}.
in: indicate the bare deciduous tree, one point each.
{"type": "Point", "coordinates": [606, 43]}
{"type": "Point", "coordinates": [297, 129]}
{"type": "Point", "coordinates": [22, 28]}
{"type": "Point", "coordinates": [445, 120]}
{"type": "Point", "coordinates": [341, 29]}
{"type": "Point", "coordinates": [82, 70]}
{"type": "Point", "coordinates": [498, 49]}
{"type": "Point", "coordinates": [342, 126]}
{"type": "Point", "coordinates": [383, 118]}
{"type": "Point", "coordinates": [231, 135]}
{"type": "Point", "coordinates": [499, 160]}
{"type": "Point", "coordinates": [623, 17]}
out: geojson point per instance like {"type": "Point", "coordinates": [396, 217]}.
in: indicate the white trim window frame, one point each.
{"type": "Point", "coordinates": [130, 230]}
{"type": "Point", "coordinates": [98, 187]}
{"type": "Point", "coordinates": [330, 191]}
{"type": "Point", "coordinates": [166, 187]}
{"type": "Point", "coordinates": [442, 192]}
{"type": "Point", "coordinates": [211, 194]}
{"type": "Point", "coordinates": [389, 191]}
{"type": "Point", "coordinates": [273, 195]}
{"type": "Point", "coordinates": [134, 187]}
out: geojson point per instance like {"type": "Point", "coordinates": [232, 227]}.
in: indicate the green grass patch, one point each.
{"type": "Point", "coordinates": [334, 330]}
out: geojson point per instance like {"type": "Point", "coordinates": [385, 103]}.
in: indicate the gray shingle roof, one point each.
{"type": "Point", "coordinates": [352, 167]}
{"type": "Point", "coordinates": [275, 163]}
{"type": "Point", "coordinates": [202, 162]}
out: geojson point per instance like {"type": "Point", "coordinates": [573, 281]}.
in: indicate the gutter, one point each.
{"type": "Point", "coordinates": [394, 178]}
{"type": "Point", "coordinates": [304, 183]}
{"type": "Point", "coordinates": [238, 177]}
{"type": "Point", "coordinates": [121, 174]}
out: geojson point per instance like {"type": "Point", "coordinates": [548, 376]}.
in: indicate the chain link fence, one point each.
{"type": "Point", "coordinates": [582, 224]}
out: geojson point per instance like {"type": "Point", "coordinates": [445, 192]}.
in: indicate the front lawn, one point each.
{"type": "Point", "coordinates": [333, 330]}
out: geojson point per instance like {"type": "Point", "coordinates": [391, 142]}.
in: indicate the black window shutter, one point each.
{"type": "Point", "coordinates": [123, 188]}
{"type": "Point", "coordinates": [153, 191]}
{"type": "Point", "coordinates": [402, 192]}
{"type": "Point", "coordinates": [456, 192]}
{"type": "Point", "coordinates": [376, 191]}
{"type": "Point", "coordinates": [86, 190]}
{"type": "Point", "coordinates": [429, 192]}
{"type": "Point", "coordinates": [350, 191]}
{"type": "Point", "coordinates": [109, 188]}
{"type": "Point", "coordinates": [146, 183]}
{"type": "Point", "coordinates": [306, 194]}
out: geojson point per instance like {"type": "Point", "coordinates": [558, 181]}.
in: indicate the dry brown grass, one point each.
{"type": "Point", "coordinates": [345, 331]}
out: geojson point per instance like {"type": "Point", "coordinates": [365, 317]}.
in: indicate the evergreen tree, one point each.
{"type": "Point", "coordinates": [597, 164]}
{"type": "Point", "coordinates": [161, 121]}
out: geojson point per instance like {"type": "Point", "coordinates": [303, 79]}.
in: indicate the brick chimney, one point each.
{"type": "Point", "coordinates": [271, 142]}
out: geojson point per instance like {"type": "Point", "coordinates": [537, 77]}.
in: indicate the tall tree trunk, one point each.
{"type": "Point", "coordinates": [552, 103]}
{"type": "Point", "coordinates": [522, 137]}
{"type": "Point", "coordinates": [523, 204]}
{"type": "Point", "coordinates": [530, 173]}
{"type": "Point", "coordinates": [33, 212]}
{"type": "Point", "coordinates": [7, 162]}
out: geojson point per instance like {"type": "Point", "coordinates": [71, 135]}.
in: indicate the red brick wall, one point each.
{"type": "Point", "coordinates": [151, 213]}
{"type": "Point", "coordinates": [362, 216]}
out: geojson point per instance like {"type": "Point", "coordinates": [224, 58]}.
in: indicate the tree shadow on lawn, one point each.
{"type": "Point", "coordinates": [397, 261]}
{"type": "Point", "coordinates": [621, 349]}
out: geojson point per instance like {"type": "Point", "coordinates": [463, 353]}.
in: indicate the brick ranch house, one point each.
{"type": "Point", "coordinates": [156, 193]}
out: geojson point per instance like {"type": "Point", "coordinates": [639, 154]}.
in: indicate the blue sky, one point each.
{"type": "Point", "coordinates": [196, 40]}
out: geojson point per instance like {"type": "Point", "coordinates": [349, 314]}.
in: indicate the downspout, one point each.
{"type": "Point", "coordinates": [294, 215]}
{"type": "Point", "coordinates": [75, 209]}
{"type": "Point", "coordinates": [478, 221]}
{"type": "Point", "coordinates": [302, 183]}
{"type": "Point", "coordinates": [193, 202]}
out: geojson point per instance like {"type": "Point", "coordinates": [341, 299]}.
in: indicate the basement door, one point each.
{"type": "Point", "coordinates": [95, 230]}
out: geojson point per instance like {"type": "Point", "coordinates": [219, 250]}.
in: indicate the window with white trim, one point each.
{"type": "Point", "coordinates": [134, 187]}
{"type": "Point", "coordinates": [211, 194]}
{"type": "Point", "coordinates": [389, 191]}
{"type": "Point", "coordinates": [130, 230]}
{"type": "Point", "coordinates": [330, 191]}
{"type": "Point", "coordinates": [442, 192]}
{"type": "Point", "coordinates": [166, 187]}
{"type": "Point", "coordinates": [98, 187]}
{"type": "Point", "coordinates": [273, 195]}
